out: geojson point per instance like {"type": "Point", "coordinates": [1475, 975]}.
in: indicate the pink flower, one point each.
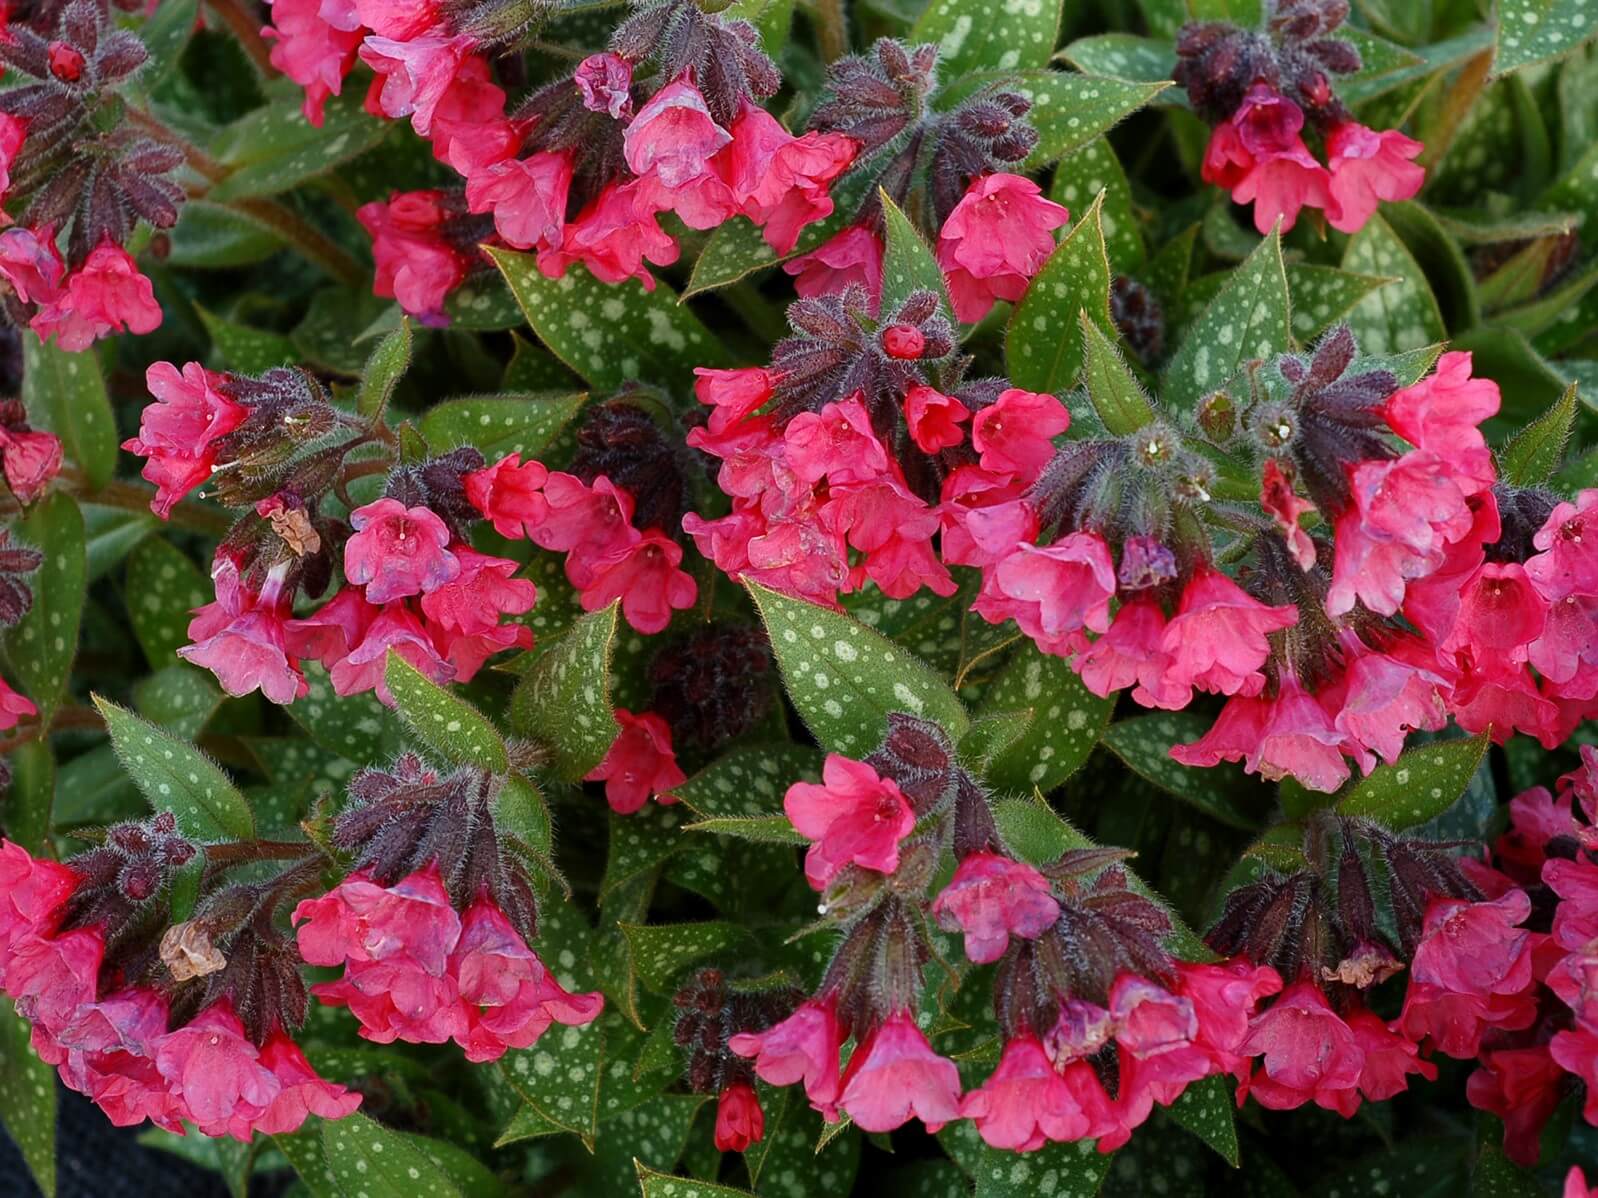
{"type": "Point", "coordinates": [32, 265]}
{"type": "Point", "coordinates": [402, 20]}
{"type": "Point", "coordinates": [1455, 1023]}
{"type": "Point", "coordinates": [732, 395]}
{"type": "Point", "coordinates": [311, 51]}
{"type": "Point", "coordinates": [934, 418]}
{"type": "Point", "coordinates": [991, 898]}
{"type": "Point", "coordinates": [1576, 1185]}
{"type": "Point", "coordinates": [854, 817]}
{"type": "Point", "coordinates": [13, 131]}
{"type": "Point", "coordinates": [850, 258]}
{"type": "Point", "coordinates": [592, 523]}
{"type": "Point", "coordinates": [1130, 653]}
{"type": "Point", "coordinates": [1389, 1057]}
{"type": "Point", "coordinates": [13, 706]}
{"type": "Point", "coordinates": [1054, 591]}
{"type": "Point", "coordinates": [509, 494]}
{"type": "Point", "coordinates": [780, 181]}
{"type": "Point", "coordinates": [1025, 1103]}
{"type": "Point", "coordinates": [1442, 411]}
{"type": "Point", "coordinates": [646, 576]}
{"type": "Point", "coordinates": [30, 460]}
{"type": "Point", "coordinates": [803, 1047]}
{"type": "Point", "coordinates": [216, 1073]}
{"type": "Point", "coordinates": [1217, 640]}
{"type": "Point", "coordinates": [837, 444]}
{"type": "Point", "coordinates": [242, 640]}
{"type": "Point", "coordinates": [415, 73]}
{"type": "Point", "coordinates": [1290, 735]}
{"type": "Point", "coordinates": [739, 1120]}
{"type": "Point", "coordinates": [328, 634]}
{"type": "Point", "coordinates": [473, 601]}
{"type": "Point", "coordinates": [470, 130]}
{"type": "Point", "coordinates": [613, 237]}
{"type": "Point", "coordinates": [509, 995]}
{"type": "Point", "coordinates": [398, 551]}
{"type": "Point", "coordinates": [1476, 948]}
{"type": "Point", "coordinates": [415, 265]}
{"type": "Point", "coordinates": [639, 763]}
{"type": "Point", "coordinates": [1259, 156]}
{"type": "Point", "coordinates": [1224, 997]}
{"type": "Point", "coordinates": [51, 977]}
{"type": "Point", "coordinates": [995, 240]}
{"type": "Point", "coordinates": [1385, 696]}
{"type": "Point", "coordinates": [106, 294]}
{"type": "Point", "coordinates": [32, 891]}
{"type": "Point", "coordinates": [1567, 563]}
{"type": "Point", "coordinates": [1015, 433]}
{"type": "Point", "coordinates": [1308, 1054]}
{"type": "Point", "coordinates": [1522, 1086]}
{"type": "Point", "coordinates": [1366, 168]}
{"type": "Point", "coordinates": [673, 136]}
{"type": "Point", "coordinates": [395, 628]}
{"type": "Point", "coordinates": [1285, 507]}
{"type": "Point", "coordinates": [527, 197]}
{"type": "Point", "coordinates": [301, 1093]}
{"type": "Point", "coordinates": [894, 1076]}
{"type": "Point", "coordinates": [179, 431]}
{"type": "Point", "coordinates": [1500, 615]}
{"type": "Point", "coordinates": [106, 1051]}
{"type": "Point", "coordinates": [605, 83]}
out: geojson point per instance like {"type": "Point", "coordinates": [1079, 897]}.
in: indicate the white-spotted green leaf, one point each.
{"type": "Point", "coordinates": [558, 1077]}
{"type": "Point", "coordinates": [610, 334]}
{"type": "Point", "coordinates": [356, 727]}
{"type": "Point", "coordinates": [163, 587]}
{"type": "Point", "coordinates": [1143, 743]}
{"type": "Point", "coordinates": [1070, 110]}
{"type": "Point", "coordinates": [1066, 721]}
{"type": "Point", "coordinates": [44, 642]}
{"type": "Point", "coordinates": [563, 699]}
{"type": "Point", "coordinates": [1247, 320]}
{"type": "Point", "coordinates": [664, 1185]}
{"type": "Point", "coordinates": [845, 679]}
{"type": "Point", "coordinates": [1117, 397]}
{"type": "Point", "coordinates": [334, 322]}
{"type": "Point", "coordinates": [1397, 316]}
{"type": "Point", "coordinates": [246, 350]}
{"type": "Point", "coordinates": [363, 1156]}
{"type": "Point", "coordinates": [214, 237]}
{"type": "Point", "coordinates": [500, 424]}
{"type": "Point", "coordinates": [1074, 1170]}
{"type": "Point", "coordinates": [1123, 56]}
{"type": "Point", "coordinates": [1532, 31]}
{"type": "Point", "coordinates": [1323, 295]}
{"type": "Point", "coordinates": [1423, 783]}
{"type": "Point", "coordinates": [177, 777]}
{"type": "Point", "coordinates": [383, 372]}
{"type": "Point", "coordinates": [27, 1099]}
{"type": "Point", "coordinates": [662, 952]}
{"type": "Point", "coordinates": [1082, 177]}
{"type": "Point", "coordinates": [180, 698]}
{"type": "Point", "coordinates": [65, 393]}
{"type": "Point", "coordinates": [165, 33]}
{"type": "Point", "coordinates": [484, 303]}
{"type": "Point", "coordinates": [656, 1132]}
{"type": "Point", "coordinates": [791, 1167]}
{"type": "Point", "coordinates": [444, 722]}
{"type": "Point", "coordinates": [30, 802]}
{"type": "Point", "coordinates": [275, 148]}
{"type": "Point", "coordinates": [761, 829]}
{"type": "Point", "coordinates": [749, 781]}
{"type": "Point", "coordinates": [1534, 454]}
{"type": "Point", "coordinates": [987, 35]}
{"type": "Point", "coordinates": [1043, 345]}
{"type": "Point", "coordinates": [907, 263]}
{"type": "Point", "coordinates": [1208, 1110]}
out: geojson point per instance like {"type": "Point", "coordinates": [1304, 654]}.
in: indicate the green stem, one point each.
{"type": "Point", "coordinates": [246, 29]}
{"type": "Point", "coordinates": [832, 29]}
{"type": "Point", "coordinates": [135, 497]}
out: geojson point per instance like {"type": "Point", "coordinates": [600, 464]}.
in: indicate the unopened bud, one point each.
{"type": "Point", "coordinates": [903, 341]}
{"type": "Point", "coordinates": [1217, 416]}
{"type": "Point", "coordinates": [66, 62]}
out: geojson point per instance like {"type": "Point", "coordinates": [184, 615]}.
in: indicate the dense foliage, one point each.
{"type": "Point", "coordinates": [791, 597]}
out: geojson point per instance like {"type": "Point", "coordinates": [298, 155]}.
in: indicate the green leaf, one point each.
{"type": "Point", "coordinates": [845, 679]}
{"type": "Point", "coordinates": [1494, 1175]}
{"type": "Point", "coordinates": [761, 829]}
{"type": "Point", "coordinates": [180, 698]}
{"type": "Point", "coordinates": [337, 316]}
{"type": "Point", "coordinates": [27, 1099]}
{"type": "Point", "coordinates": [1247, 320]}
{"type": "Point", "coordinates": [559, 1076]}
{"type": "Point", "coordinates": [65, 394]}
{"type": "Point", "coordinates": [29, 803]}
{"type": "Point", "coordinates": [383, 372]}
{"type": "Point", "coordinates": [749, 781]}
{"type": "Point", "coordinates": [1123, 56]}
{"type": "Point", "coordinates": [45, 641]}
{"type": "Point", "coordinates": [662, 952]}
{"type": "Point", "coordinates": [1398, 316]}
{"type": "Point", "coordinates": [501, 424]}
{"type": "Point", "coordinates": [364, 1157]}
{"type": "Point", "coordinates": [112, 534]}
{"type": "Point", "coordinates": [163, 587]}
{"type": "Point", "coordinates": [214, 237]}
{"type": "Point", "coordinates": [1532, 31]}
{"type": "Point", "coordinates": [1066, 720]}
{"type": "Point", "coordinates": [245, 350]}
{"type": "Point", "coordinates": [1054, 1171]}
{"type": "Point", "coordinates": [177, 777]}
{"type": "Point", "coordinates": [275, 148]}
{"type": "Point", "coordinates": [1081, 178]}
{"type": "Point", "coordinates": [1070, 110]}
{"type": "Point", "coordinates": [1043, 345]}
{"type": "Point", "coordinates": [907, 263]}
{"type": "Point", "coordinates": [165, 34]}
{"type": "Point", "coordinates": [1208, 1110]}
{"type": "Point", "coordinates": [520, 809]}
{"type": "Point", "coordinates": [1423, 783]}
{"type": "Point", "coordinates": [563, 698]}
{"type": "Point", "coordinates": [357, 728]}
{"type": "Point", "coordinates": [442, 721]}
{"type": "Point", "coordinates": [483, 303]}
{"type": "Point", "coordinates": [1143, 743]}
{"type": "Point", "coordinates": [1116, 395]}
{"type": "Point", "coordinates": [980, 35]}
{"type": "Point", "coordinates": [1323, 295]}
{"type": "Point", "coordinates": [664, 1185]}
{"type": "Point", "coordinates": [773, 19]}
{"type": "Point", "coordinates": [1534, 454]}
{"type": "Point", "coordinates": [611, 334]}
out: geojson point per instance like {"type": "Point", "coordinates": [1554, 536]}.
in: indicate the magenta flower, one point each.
{"type": "Point", "coordinates": [50, 977]}
{"type": "Point", "coordinates": [1444, 410]}
{"type": "Point", "coordinates": [1567, 563]}
{"type": "Point", "coordinates": [1224, 997]}
{"type": "Point", "coordinates": [215, 1074]}
{"type": "Point", "coordinates": [995, 240]}
{"type": "Point", "coordinates": [639, 764]}
{"type": "Point", "coordinates": [837, 444]}
{"type": "Point", "coordinates": [1025, 1103]}
{"type": "Point", "coordinates": [674, 136]}
{"type": "Point", "coordinates": [894, 1076]}
{"type": "Point", "coordinates": [415, 265]}
{"type": "Point", "coordinates": [1366, 168]}
{"type": "Point", "coordinates": [329, 634]}
{"type": "Point", "coordinates": [30, 460]}
{"type": "Point", "coordinates": [1260, 157]}
{"type": "Point", "coordinates": [1523, 1087]}
{"type": "Point", "coordinates": [854, 817]}
{"type": "Point", "coordinates": [470, 129]}
{"type": "Point", "coordinates": [398, 551]}
{"type": "Point", "coordinates": [312, 51]}
{"type": "Point", "coordinates": [1015, 434]}
{"type": "Point", "coordinates": [242, 638]}
{"type": "Point", "coordinates": [850, 258]}
{"type": "Point", "coordinates": [527, 197]}
{"type": "Point", "coordinates": [990, 898]}
{"type": "Point", "coordinates": [509, 495]}
{"type": "Point", "coordinates": [105, 295]}
{"type": "Point", "coordinates": [739, 1120]}
{"type": "Point", "coordinates": [1291, 735]}
{"type": "Point", "coordinates": [1216, 641]}
{"type": "Point", "coordinates": [803, 1047]}
{"type": "Point", "coordinates": [1387, 695]}
{"type": "Point", "coordinates": [1053, 592]}
{"type": "Point", "coordinates": [415, 72]}
{"type": "Point", "coordinates": [605, 83]}
{"type": "Point", "coordinates": [1130, 653]}
{"type": "Point", "coordinates": [780, 182]}
{"type": "Point", "coordinates": [1476, 948]}
{"type": "Point", "coordinates": [32, 265]}
{"type": "Point", "coordinates": [731, 395]}
{"type": "Point", "coordinates": [613, 237]}
{"type": "Point", "coordinates": [1308, 1054]}
{"type": "Point", "coordinates": [13, 706]}
{"type": "Point", "coordinates": [179, 431]}
{"type": "Point", "coordinates": [474, 600]}
{"type": "Point", "coordinates": [32, 891]}
{"type": "Point", "coordinates": [647, 577]}
{"type": "Point", "coordinates": [1389, 1057]}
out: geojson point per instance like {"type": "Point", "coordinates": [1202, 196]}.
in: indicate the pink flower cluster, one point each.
{"type": "Point", "coordinates": [178, 433]}
{"type": "Point", "coordinates": [116, 1047]}
{"type": "Point", "coordinates": [106, 294]}
{"type": "Point", "coordinates": [418, 971]}
{"type": "Point", "coordinates": [639, 764]}
{"type": "Point", "coordinates": [1259, 156]}
{"type": "Point", "coordinates": [607, 558]}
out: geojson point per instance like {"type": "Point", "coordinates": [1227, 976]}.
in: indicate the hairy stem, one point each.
{"type": "Point", "coordinates": [832, 29]}
{"type": "Point", "coordinates": [245, 27]}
